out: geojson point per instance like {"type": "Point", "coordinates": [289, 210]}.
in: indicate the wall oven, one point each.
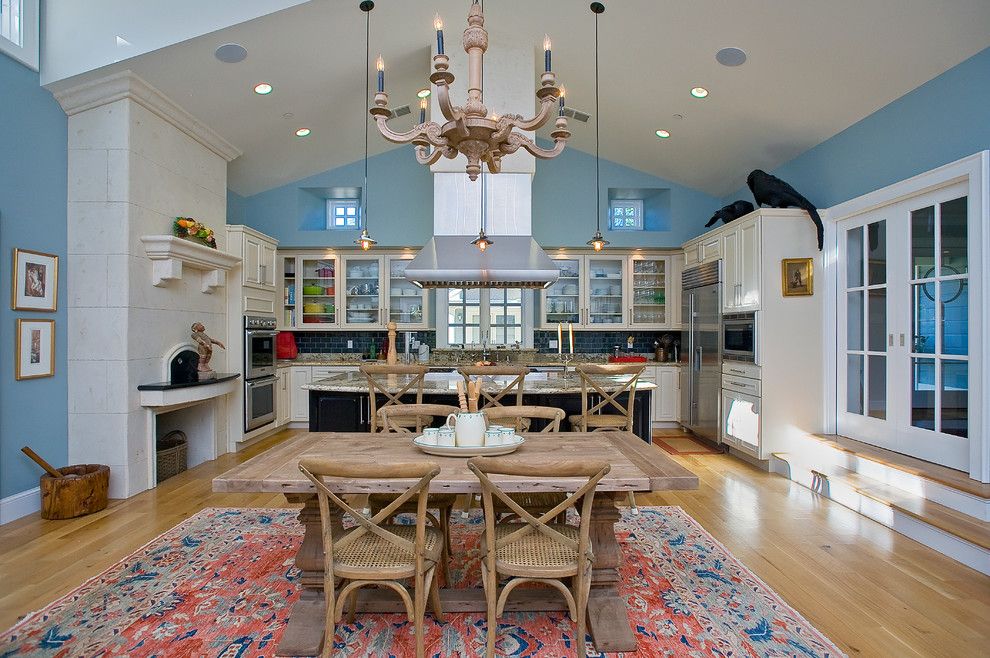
{"type": "Point", "coordinates": [739, 337]}
{"type": "Point", "coordinates": [259, 372]}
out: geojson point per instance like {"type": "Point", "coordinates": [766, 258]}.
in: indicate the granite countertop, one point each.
{"type": "Point", "coordinates": [533, 360]}
{"type": "Point", "coordinates": [446, 383]}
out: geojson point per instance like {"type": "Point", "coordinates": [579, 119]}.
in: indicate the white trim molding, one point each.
{"type": "Point", "coordinates": [127, 84]}
{"type": "Point", "coordinates": [973, 171]}
{"type": "Point", "coordinates": [168, 254]}
{"type": "Point", "coordinates": [20, 505]}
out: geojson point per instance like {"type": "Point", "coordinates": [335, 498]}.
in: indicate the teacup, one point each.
{"type": "Point", "coordinates": [431, 435]}
{"type": "Point", "coordinates": [493, 437]}
{"type": "Point", "coordinates": [508, 434]}
{"type": "Point", "coordinates": [469, 428]}
{"type": "Point", "coordinates": [445, 437]}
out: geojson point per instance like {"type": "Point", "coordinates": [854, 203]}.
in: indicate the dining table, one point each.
{"type": "Point", "coordinates": [636, 466]}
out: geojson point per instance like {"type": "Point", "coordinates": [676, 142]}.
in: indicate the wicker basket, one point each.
{"type": "Point", "coordinates": [171, 454]}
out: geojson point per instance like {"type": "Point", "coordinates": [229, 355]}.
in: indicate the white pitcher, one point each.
{"type": "Point", "coordinates": [469, 428]}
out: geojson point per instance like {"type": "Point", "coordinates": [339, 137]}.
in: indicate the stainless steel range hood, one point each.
{"type": "Point", "coordinates": [451, 261]}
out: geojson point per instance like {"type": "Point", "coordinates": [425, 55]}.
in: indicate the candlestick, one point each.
{"type": "Point", "coordinates": [422, 110]}
{"type": "Point", "coordinates": [562, 93]}
{"type": "Point", "coordinates": [438, 25]}
{"type": "Point", "coordinates": [570, 330]}
{"type": "Point", "coordinates": [560, 338]}
{"type": "Point", "coordinates": [546, 52]}
{"type": "Point", "coordinates": [380, 65]}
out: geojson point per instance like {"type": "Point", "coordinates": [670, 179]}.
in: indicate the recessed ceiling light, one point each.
{"type": "Point", "coordinates": [230, 53]}
{"type": "Point", "coordinates": [663, 134]}
{"type": "Point", "coordinates": [699, 92]}
{"type": "Point", "coordinates": [730, 56]}
{"type": "Point", "coordinates": [423, 93]}
{"type": "Point", "coordinates": [263, 88]}
{"type": "Point", "coordinates": [678, 116]}
{"type": "Point", "coordinates": [303, 132]}
{"type": "Point", "coordinates": [288, 115]}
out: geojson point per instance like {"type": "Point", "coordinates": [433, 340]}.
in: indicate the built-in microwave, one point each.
{"type": "Point", "coordinates": [739, 337]}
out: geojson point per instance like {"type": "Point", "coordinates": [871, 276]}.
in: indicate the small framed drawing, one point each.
{"type": "Point", "coordinates": [35, 281]}
{"type": "Point", "coordinates": [797, 277]}
{"type": "Point", "coordinates": [35, 355]}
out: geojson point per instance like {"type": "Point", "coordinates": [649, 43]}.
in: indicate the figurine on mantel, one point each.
{"type": "Point", "coordinates": [204, 345]}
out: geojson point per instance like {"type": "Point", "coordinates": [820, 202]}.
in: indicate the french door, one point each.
{"type": "Point", "coordinates": [903, 320]}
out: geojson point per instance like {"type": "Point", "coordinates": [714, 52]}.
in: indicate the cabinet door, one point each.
{"type": "Point", "coordinates": [251, 266]}
{"type": "Point", "coordinates": [268, 265]}
{"type": "Point", "coordinates": [316, 292]}
{"type": "Point", "coordinates": [362, 292]}
{"type": "Point", "coordinates": [605, 291]}
{"type": "Point", "coordinates": [407, 303]}
{"type": "Point", "coordinates": [562, 301]}
{"type": "Point", "coordinates": [691, 255]}
{"type": "Point", "coordinates": [299, 403]}
{"type": "Point", "coordinates": [710, 248]}
{"type": "Point", "coordinates": [730, 271]}
{"type": "Point", "coordinates": [648, 282]}
{"type": "Point", "coordinates": [749, 267]}
{"type": "Point", "coordinates": [338, 412]}
{"type": "Point", "coordinates": [668, 379]}
{"type": "Point", "coordinates": [282, 397]}
{"type": "Point", "coordinates": [290, 293]}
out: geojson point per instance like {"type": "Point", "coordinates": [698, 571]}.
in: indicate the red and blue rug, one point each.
{"type": "Point", "coordinates": [222, 585]}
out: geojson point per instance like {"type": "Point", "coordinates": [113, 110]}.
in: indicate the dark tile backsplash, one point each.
{"type": "Point", "coordinates": [602, 341]}
{"type": "Point", "coordinates": [323, 342]}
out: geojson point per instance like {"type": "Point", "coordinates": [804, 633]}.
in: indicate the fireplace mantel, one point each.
{"type": "Point", "coordinates": [169, 395]}
{"type": "Point", "coordinates": [170, 254]}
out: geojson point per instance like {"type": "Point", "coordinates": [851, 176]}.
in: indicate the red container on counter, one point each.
{"type": "Point", "coordinates": [285, 345]}
{"type": "Point", "coordinates": [627, 359]}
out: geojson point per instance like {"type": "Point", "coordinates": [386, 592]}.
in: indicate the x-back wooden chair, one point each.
{"type": "Point", "coordinates": [512, 393]}
{"type": "Point", "coordinates": [537, 550]}
{"type": "Point", "coordinates": [384, 381]}
{"type": "Point", "coordinates": [521, 417]}
{"type": "Point", "coordinates": [608, 413]}
{"type": "Point", "coordinates": [374, 552]}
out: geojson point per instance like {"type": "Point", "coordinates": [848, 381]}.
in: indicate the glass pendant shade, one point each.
{"type": "Point", "coordinates": [365, 241]}
{"type": "Point", "coordinates": [598, 241]}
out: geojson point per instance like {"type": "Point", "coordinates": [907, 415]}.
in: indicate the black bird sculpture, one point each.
{"type": "Point", "coordinates": [734, 210]}
{"type": "Point", "coordinates": [768, 190]}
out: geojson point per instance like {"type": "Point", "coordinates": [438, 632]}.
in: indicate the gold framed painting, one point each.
{"type": "Point", "coordinates": [34, 355]}
{"type": "Point", "coordinates": [797, 277]}
{"type": "Point", "coordinates": [35, 281]}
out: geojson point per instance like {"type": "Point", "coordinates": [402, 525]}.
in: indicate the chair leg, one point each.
{"type": "Point", "coordinates": [435, 599]}
{"type": "Point", "coordinates": [491, 600]}
{"type": "Point", "coordinates": [633, 508]}
{"type": "Point", "coordinates": [582, 614]}
{"type": "Point", "coordinates": [352, 602]}
{"type": "Point", "coordinates": [329, 627]}
{"type": "Point", "coordinates": [419, 611]}
{"type": "Point", "coordinates": [445, 528]}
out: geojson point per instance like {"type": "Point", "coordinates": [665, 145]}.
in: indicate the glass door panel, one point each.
{"type": "Point", "coordinates": [562, 300]}
{"type": "Point", "coordinates": [649, 291]}
{"type": "Point", "coordinates": [319, 291]}
{"type": "Point", "coordinates": [289, 293]}
{"type": "Point", "coordinates": [406, 302]}
{"type": "Point", "coordinates": [362, 278]}
{"type": "Point", "coordinates": [604, 283]}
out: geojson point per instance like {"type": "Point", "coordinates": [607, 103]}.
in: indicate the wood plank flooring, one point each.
{"type": "Point", "coordinates": [871, 590]}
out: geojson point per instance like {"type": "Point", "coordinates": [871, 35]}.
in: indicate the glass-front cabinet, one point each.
{"type": "Point", "coordinates": [407, 303]}
{"type": "Point", "coordinates": [605, 286]}
{"type": "Point", "coordinates": [562, 302]}
{"type": "Point", "coordinates": [309, 292]}
{"type": "Point", "coordinates": [648, 306]}
{"type": "Point", "coordinates": [361, 291]}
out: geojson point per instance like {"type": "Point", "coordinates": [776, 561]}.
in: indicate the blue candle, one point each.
{"type": "Point", "coordinates": [422, 110]}
{"type": "Point", "coordinates": [438, 24]}
{"type": "Point", "coordinates": [381, 74]}
{"type": "Point", "coordinates": [546, 53]}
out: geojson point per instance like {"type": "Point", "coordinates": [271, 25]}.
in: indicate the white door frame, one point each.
{"type": "Point", "coordinates": [972, 170]}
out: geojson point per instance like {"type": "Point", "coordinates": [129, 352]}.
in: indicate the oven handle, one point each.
{"type": "Point", "coordinates": [251, 383]}
{"type": "Point", "coordinates": [266, 333]}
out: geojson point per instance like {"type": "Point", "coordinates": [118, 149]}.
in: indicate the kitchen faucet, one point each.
{"type": "Point", "coordinates": [484, 346]}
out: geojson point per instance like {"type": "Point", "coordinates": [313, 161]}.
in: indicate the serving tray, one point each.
{"type": "Point", "coordinates": [469, 451]}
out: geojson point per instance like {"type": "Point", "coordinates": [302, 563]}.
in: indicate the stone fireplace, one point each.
{"type": "Point", "coordinates": [136, 161]}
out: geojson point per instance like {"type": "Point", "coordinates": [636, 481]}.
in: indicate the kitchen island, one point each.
{"type": "Point", "coordinates": [340, 403]}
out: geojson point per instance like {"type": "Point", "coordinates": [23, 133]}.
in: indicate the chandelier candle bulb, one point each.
{"type": "Point", "coordinates": [560, 112]}
{"type": "Point", "coordinates": [546, 53]}
{"type": "Point", "coordinates": [380, 65]}
{"type": "Point", "coordinates": [422, 110]}
{"type": "Point", "coordinates": [438, 25]}
{"type": "Point", "coordinates": [570, 332]}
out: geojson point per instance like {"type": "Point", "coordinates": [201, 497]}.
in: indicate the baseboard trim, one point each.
{"type": "Point", "coordinates": [20, 505]}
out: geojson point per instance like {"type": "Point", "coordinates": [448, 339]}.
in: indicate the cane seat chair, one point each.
{"type": "Point", "coordinates": [391, 419]}
{"type": "Point", "coordinates": [501, 393]}
{"type": "Point", "coordinates": [391, 382]}
{"type": "Point", "coordinates": [536, 550]}
{"type": "Point", "coordinates": [374, 552]}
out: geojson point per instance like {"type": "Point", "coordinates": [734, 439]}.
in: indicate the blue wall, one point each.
{"type": "Point", "coordinates": [400, 204]}
{"type": "Point", "coordinates": [943, 120]}
{"type": "Point", "coordinates": [33, 131]}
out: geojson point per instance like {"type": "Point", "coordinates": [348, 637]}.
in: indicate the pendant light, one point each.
{"type": "Point", "coordinates": [482, 242]}
{"type": "Point", "coordinates": [597, 241]}
{"type": "Point", "coordinates": [365, 241]}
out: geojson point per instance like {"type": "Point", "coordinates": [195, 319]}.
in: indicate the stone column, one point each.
{"type": "Point", "coordinates": [136, 161]}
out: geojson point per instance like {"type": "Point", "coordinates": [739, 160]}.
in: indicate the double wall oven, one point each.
{"type": "Point", "coordinates": [259, 372]}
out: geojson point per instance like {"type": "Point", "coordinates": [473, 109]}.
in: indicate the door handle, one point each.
{"type": "Point", "coordinates": [890, 340]}
{"type": "Point", "coordinates": [902, 340]}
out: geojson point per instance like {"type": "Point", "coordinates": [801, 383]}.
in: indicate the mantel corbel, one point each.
{"type": "Point", "coordinates": [170, 255]}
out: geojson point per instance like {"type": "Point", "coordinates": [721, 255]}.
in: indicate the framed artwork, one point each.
{"type": "Point", "coordinates": [35, 281]}
{"type": "Point", "coordinates": [797, 277]}
{"type": "Point", "coordinates": [35, 353]}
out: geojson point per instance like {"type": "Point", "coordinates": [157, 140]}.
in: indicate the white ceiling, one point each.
{"type": "Point", "coordinates": [814, 69]}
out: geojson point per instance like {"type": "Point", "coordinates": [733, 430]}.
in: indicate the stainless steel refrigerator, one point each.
{"type": "Point", "coordinates": [701, 354]}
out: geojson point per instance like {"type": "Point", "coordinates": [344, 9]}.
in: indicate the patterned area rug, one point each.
{"type": "Point", "coordinates": [222, 584]}
{"type": "Point", "coordinates": [682, 444]}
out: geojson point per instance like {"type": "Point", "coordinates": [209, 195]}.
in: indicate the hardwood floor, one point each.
{"type": "Point", "coordinates": [872, 591]}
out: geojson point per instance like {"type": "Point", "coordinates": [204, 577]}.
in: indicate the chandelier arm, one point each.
{"type": "Point", "coordinates": [546, 106]}
{"type": "Point", "coordinates": [419, 133]}
{"type": "Point", "coordinates": [426, 157]}
{"type": "Point", "coordinates": [542, 153]}
{"type": "Point", "coordinates": [446, 108]}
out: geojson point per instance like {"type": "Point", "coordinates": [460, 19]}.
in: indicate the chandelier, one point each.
{"type": "Point", "coordinates": [470, 130]}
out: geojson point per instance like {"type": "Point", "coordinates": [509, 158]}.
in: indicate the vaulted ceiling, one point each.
{"type": "Point", "coordinates": [813, 69]}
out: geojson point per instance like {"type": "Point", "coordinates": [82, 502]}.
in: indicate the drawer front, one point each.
{"type": "Point", "coordinates": [710, 249]}
{"type": "Point", "coordinates": [322, 372]}
{"type": "Point", "coordinates": [741, 385]}
{"type": "Point", "coordinates": [741, 369]}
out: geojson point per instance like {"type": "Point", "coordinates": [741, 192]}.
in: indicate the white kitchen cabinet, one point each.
{"type": "Point", "coordinates": [362, 284]}
{"type": "Point", "coordinates": [605, 286]}
{"type": "Point", "coordinates": [299, 398]}
{"type": "Point", "coordinates": [667, 395]}
{"type": "Point", "coordinates": [741, 266]}
{"type": "Point", "coordinates": [649, 288]}
{"type": "Point", "coordinates": [282, 397]}
{"type": "Point", "coordinates": [408, 305]}
{"type": "Point", "coordinates": [257, 252]}
{"type": "Point", "coordinates": [563, 302]}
